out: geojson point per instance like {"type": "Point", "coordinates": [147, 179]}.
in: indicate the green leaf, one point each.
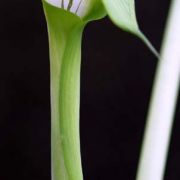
{"type": "Point", "coordinates": [122, 13]}
{"type": "Point", "coordinates": [65, 32]}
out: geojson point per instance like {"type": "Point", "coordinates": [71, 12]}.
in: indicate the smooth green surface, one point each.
{"type": "Point", "coordinates": [65, 31]}
{"type": "Point", "coordinates": [122, 13]}
{"type": "Point", "coordinates": [95, 11]}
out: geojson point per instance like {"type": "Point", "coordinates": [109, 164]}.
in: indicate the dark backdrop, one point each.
{"type": "Point", "coordinates": [117, 75]}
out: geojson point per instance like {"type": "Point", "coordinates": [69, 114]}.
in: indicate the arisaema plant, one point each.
{"type": "Point", "coordinates": [66, 20]}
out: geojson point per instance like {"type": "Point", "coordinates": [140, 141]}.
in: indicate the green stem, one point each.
{"type": "Point", "coordinates": [163, 103]}
{"type": "Point", "coordinates": [65, 31]}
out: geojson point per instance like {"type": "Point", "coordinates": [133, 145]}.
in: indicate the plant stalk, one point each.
{"type": "Point", "coordinates": [163, 103]}
{"type": "Point", "coordinates": [65, 32]}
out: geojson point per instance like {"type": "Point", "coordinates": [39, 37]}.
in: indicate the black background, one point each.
{"type": "Point", "coordinates": [117, 76]}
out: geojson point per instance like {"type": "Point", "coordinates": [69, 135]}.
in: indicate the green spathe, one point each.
{"type": "Point", "coordinates": [65, 31]}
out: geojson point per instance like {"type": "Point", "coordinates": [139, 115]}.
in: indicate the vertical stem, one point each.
{"type": "Point", "coordinates": [65, 140]}
{"type": "Point", "coordinates": [162, 107]}
{"type": "Point", "coordinates": [65, 31]}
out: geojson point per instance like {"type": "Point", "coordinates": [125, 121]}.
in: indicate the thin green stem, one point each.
{"type": "Point", "coordinates": [148, 44]}
{"type": "Point", "coordinates": [163, 103]}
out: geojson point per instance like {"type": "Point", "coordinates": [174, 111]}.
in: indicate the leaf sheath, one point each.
{"type": "Point", "coordinates": [65, 31]}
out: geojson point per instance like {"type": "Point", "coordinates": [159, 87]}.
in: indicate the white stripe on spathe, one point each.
{"type": "Point", "coordinates": [79, 7]}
